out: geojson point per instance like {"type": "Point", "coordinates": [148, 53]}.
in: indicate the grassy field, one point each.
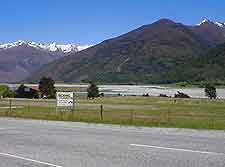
{"type": "Point", "coordinates": [138, 111]}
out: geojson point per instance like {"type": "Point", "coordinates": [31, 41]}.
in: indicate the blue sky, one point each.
{"type": "Point", "coordinates": [92, 21]}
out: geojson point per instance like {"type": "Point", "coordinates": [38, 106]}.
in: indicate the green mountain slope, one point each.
{"type": "Point", "coordinates": [209, 66]}
{"type": "Point", "coordinates": [157, 53]}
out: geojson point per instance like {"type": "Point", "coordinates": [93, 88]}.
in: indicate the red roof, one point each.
{"type": "Point", "coordinates": [35, 88]}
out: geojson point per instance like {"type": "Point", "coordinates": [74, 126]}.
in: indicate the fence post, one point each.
{"type": "Point", "coordinates": [159, 119]}
{"type": "Point", "coordinates": [61, 115]}
{"type": "Point", "coordinates": [101, 112]}
{"type": "Point", "coordinates": [10, 105]}
{"type": "Point", "coordinates": [74, 101]}
{"type": "Point", "coordinates": [28, 108]}
{"type": "Point", "coordinates": [132, 116]}
{"type": "Point", "coordinates": [168, 116]}
{"type": "Point", "coordinates": [212, 123]}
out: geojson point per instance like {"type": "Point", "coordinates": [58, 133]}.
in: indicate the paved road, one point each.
{"type": "Point", "coordinates": [28, 143]}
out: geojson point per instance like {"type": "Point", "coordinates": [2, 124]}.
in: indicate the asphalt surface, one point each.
{"type": "Point", "coordinates": [30, 143]}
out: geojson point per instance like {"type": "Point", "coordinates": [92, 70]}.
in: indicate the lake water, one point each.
{"type": "Point", "coordinates": [141, 89]}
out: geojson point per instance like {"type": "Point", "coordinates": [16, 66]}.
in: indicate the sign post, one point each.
{"type": "Point", "coordinates": [66, 100]}
{"type": "Point", "coordinates": [74, 101]}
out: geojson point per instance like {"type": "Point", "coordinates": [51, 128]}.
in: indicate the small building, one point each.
{"type": "Point", "coordinates": [27, 92]}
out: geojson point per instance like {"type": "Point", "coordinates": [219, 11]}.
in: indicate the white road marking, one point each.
{"type": "Point", "coordinates": [177, 149]}
{"type": "Point", "coordinates": [28, 159]}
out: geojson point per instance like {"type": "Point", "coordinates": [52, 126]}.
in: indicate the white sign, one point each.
{"type": "Point", "coordinates": [65, 99]}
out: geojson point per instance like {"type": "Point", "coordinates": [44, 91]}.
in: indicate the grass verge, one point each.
{"type": "Point", "coordinates": [138, 111]}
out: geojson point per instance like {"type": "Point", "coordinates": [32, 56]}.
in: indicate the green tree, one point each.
{"type": "Point", "coordinates": [47, 88]}
{"type": "Point", "coordinates": [92, 91]}
{"type": "Point", "coordinates": [210, 91]}
{"type": "Point", "coordinates": [6, 92]}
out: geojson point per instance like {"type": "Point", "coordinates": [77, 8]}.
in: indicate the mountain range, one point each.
{"type": "Point", "coordinates": [20, 59]}
{"type": "Point", "coordinates": [161, 52]}
{"type": "Point", "coordinates": [52, 47]}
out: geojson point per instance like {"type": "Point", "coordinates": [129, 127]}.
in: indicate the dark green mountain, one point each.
{"type": "Point", "coordinates": [208, 66]}
{"type": "Point", "coordinates": [162, 52]}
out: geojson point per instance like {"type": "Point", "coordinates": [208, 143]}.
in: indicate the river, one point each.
{"type": "Point", "coordinates": [139, 90]}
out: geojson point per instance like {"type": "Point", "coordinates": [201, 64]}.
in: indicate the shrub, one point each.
{"type": "Point", "coordinates": [92, 91]}
{"type": "Point", "coordinates": [210, 91]}
{"type": "Point", "coordinates": [146, 95]}
{"type": "Point", "coordinates": [181, 95]}
{"type": "Point", "coordinates": [163, 95]}
{"type": "Point", "coordinates": [6, 92]}
{"type": "Point", "coordinates": [101, 94]}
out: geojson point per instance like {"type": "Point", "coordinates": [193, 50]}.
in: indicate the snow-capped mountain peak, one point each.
{"type": "Point", "coordinates": [52, 47]}
{"type": "Point", "coordinates": [204, 21]}
{"type": "Point", "coordinates": [207, 21]}
{"type": "Point", "coordinates": [220, 24]}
